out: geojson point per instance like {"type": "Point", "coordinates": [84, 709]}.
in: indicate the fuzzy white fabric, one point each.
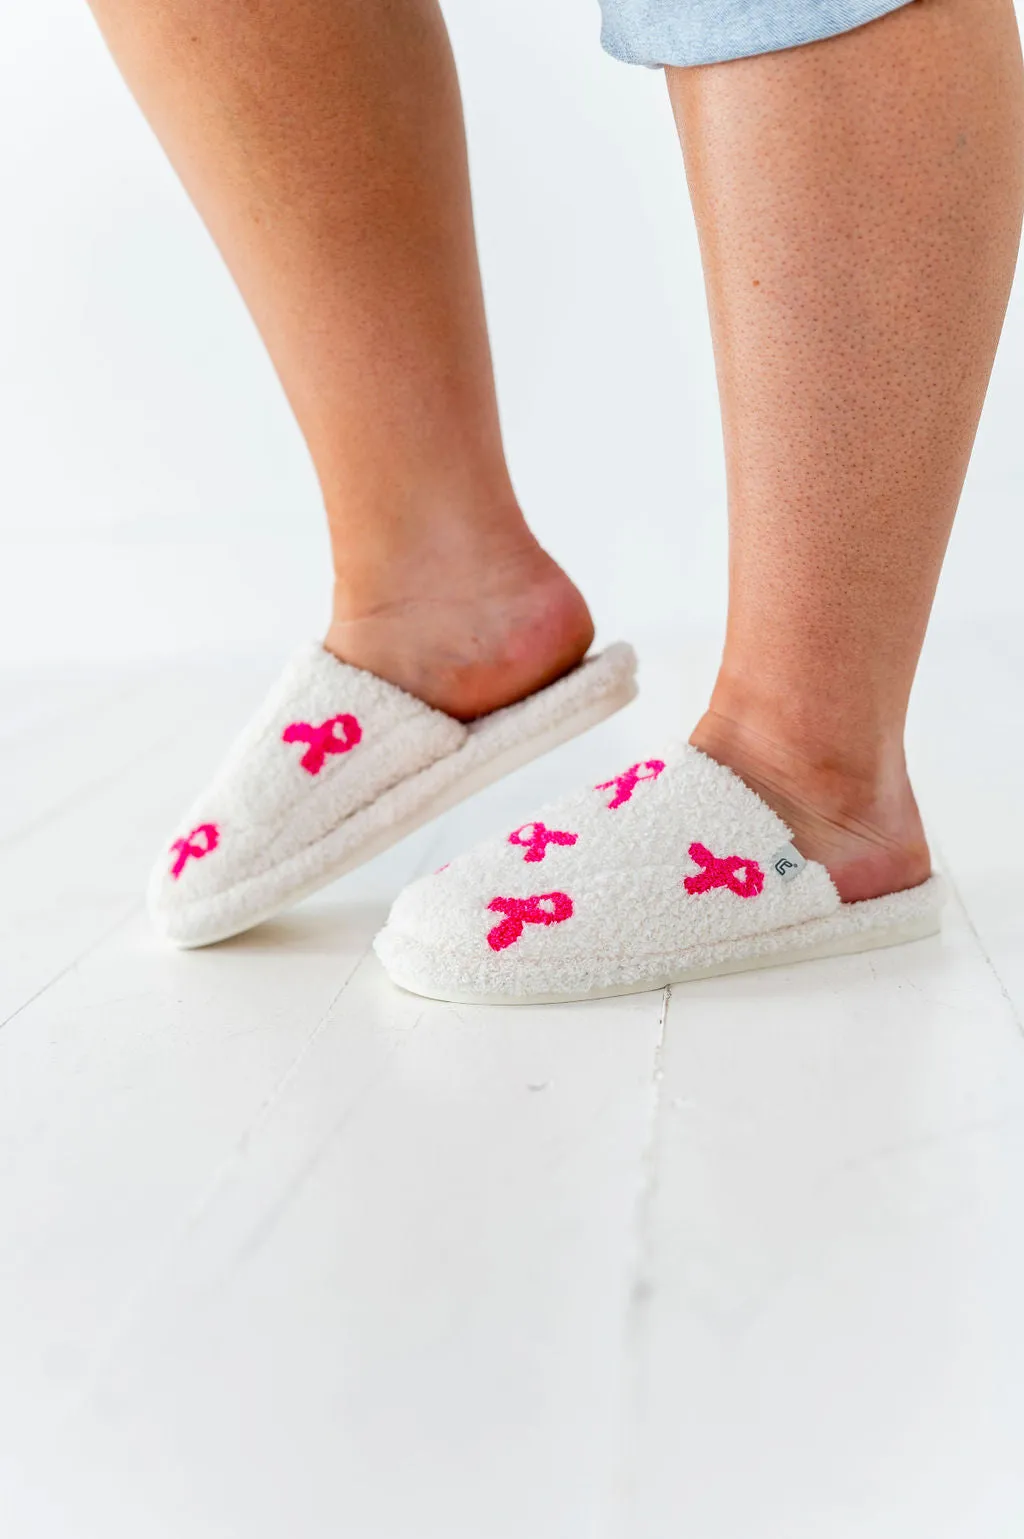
{"type": "Point", "coordinates": [275, 825]}
{"type": "Point", "coordinates": [619, 914]}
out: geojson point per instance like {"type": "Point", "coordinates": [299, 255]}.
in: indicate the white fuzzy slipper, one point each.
{"type": "Point", "coordinates": [338, 765]}
{"type": "Point", "coordinates": [672, 870]}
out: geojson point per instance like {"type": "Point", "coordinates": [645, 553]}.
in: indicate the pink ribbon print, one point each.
{"type": "Point", "coordinates": [721, 872]}
{"type": "Point", "coordinates": [520, 912]}
{"type": "Point", "coordinates": [340, 734]}
{"type": "Point", "coordinates": [534, 838]}
{"type": "Point", "coordinates": [190, 848]}
{"type": "Point", "coordinates": [625, 784]}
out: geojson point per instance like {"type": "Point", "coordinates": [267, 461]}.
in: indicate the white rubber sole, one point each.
{"type": "Point", "coordinates": [373, 829]}
{"type": "Point", "coordinates": [840, 934]}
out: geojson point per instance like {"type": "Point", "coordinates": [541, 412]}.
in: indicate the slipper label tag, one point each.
{"type": "Point", "coordinates": [788, 863]}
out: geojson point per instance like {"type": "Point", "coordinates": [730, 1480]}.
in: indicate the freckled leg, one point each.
{"type": "Point", "coordinates": [859, 208]}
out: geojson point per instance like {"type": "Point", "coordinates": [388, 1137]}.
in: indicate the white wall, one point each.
{"type": "Point", "coordinates": [154, 493]}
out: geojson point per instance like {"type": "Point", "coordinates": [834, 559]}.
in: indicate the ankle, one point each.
{"type": "Point", "coordinates": [434, 560]}
{"type": "Point", "coordinates": [468, 626]}
{"type": "Point", "coordinates": [381, 555]}
{"type": "Point", "coordinates": [853, 810]}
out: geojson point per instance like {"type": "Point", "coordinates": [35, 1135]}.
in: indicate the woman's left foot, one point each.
{"type": "Point", "coordinates": [339, 764]}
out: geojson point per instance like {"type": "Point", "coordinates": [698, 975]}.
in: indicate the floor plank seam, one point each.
{"type": "Point", "coordinates": [81, 798]}
{"type": "Point", "coordinates": [268, 1222]}
{"type": "Point", "coordinates": [648, 1174]}
{"type": "Point", "coordinates": [640, 1285]}
{"type": "Point", "coordinates": [962, 904]}
{"type": "Point", "coordinates": [128, 769]}
{"type": "Point", "coordinates": [124, 918]}
{"type": "Point", "coordinates": [134, 1305]}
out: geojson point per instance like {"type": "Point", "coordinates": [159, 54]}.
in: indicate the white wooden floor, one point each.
{"type": "Point", "coordinates": [286, 1254]}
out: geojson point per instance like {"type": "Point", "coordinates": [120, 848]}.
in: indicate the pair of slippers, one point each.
{"type": "Point", "coordinates": [672, 869]}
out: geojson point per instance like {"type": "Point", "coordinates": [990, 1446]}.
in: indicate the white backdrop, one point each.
{"type": "Point", "coordinates": [155, 496]}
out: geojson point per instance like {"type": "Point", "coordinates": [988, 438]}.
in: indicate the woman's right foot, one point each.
{"type": "Point", "coordinates": [866, 830]}
{"type": "Point", "coordinates": [669, 869]}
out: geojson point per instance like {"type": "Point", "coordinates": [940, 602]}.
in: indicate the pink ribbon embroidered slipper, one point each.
{"type": "Point", "coordinates": [672, 869]}
{"type": "Point", "coordinates": [338, 765]}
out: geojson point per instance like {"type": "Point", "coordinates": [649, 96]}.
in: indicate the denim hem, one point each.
{"type": "Point", "coordinates": [674, 35]}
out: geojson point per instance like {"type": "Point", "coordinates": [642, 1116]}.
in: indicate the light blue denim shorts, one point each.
{"type": "Point", "coordinates": [710, 31]}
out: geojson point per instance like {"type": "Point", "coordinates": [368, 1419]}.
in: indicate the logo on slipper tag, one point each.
{"type": "Point", "coordinates": [546, 908]}
{"type": "Point", "coordinates": [788, 863]}
{"type": "Point", "coordinates": [340, 734]}
{"type": "Point", "coordinates": [721, 871]}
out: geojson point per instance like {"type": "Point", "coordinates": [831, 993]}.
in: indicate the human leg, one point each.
{"type": "Point", "coordinates": [859, 208]}
{"type": "Point", "coordinates": [859, 204]}
{"type": "Point", "coordinates": [322, 142]}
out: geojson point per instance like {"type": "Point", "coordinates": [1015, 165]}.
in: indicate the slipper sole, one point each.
{"type": "Point", "coordinates": [842, 934]}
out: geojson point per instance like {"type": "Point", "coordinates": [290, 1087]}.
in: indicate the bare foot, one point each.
{"type": "Point", "coordinates": [466, 631]}
{"type": "Point", "coordinates": [866, 832]}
